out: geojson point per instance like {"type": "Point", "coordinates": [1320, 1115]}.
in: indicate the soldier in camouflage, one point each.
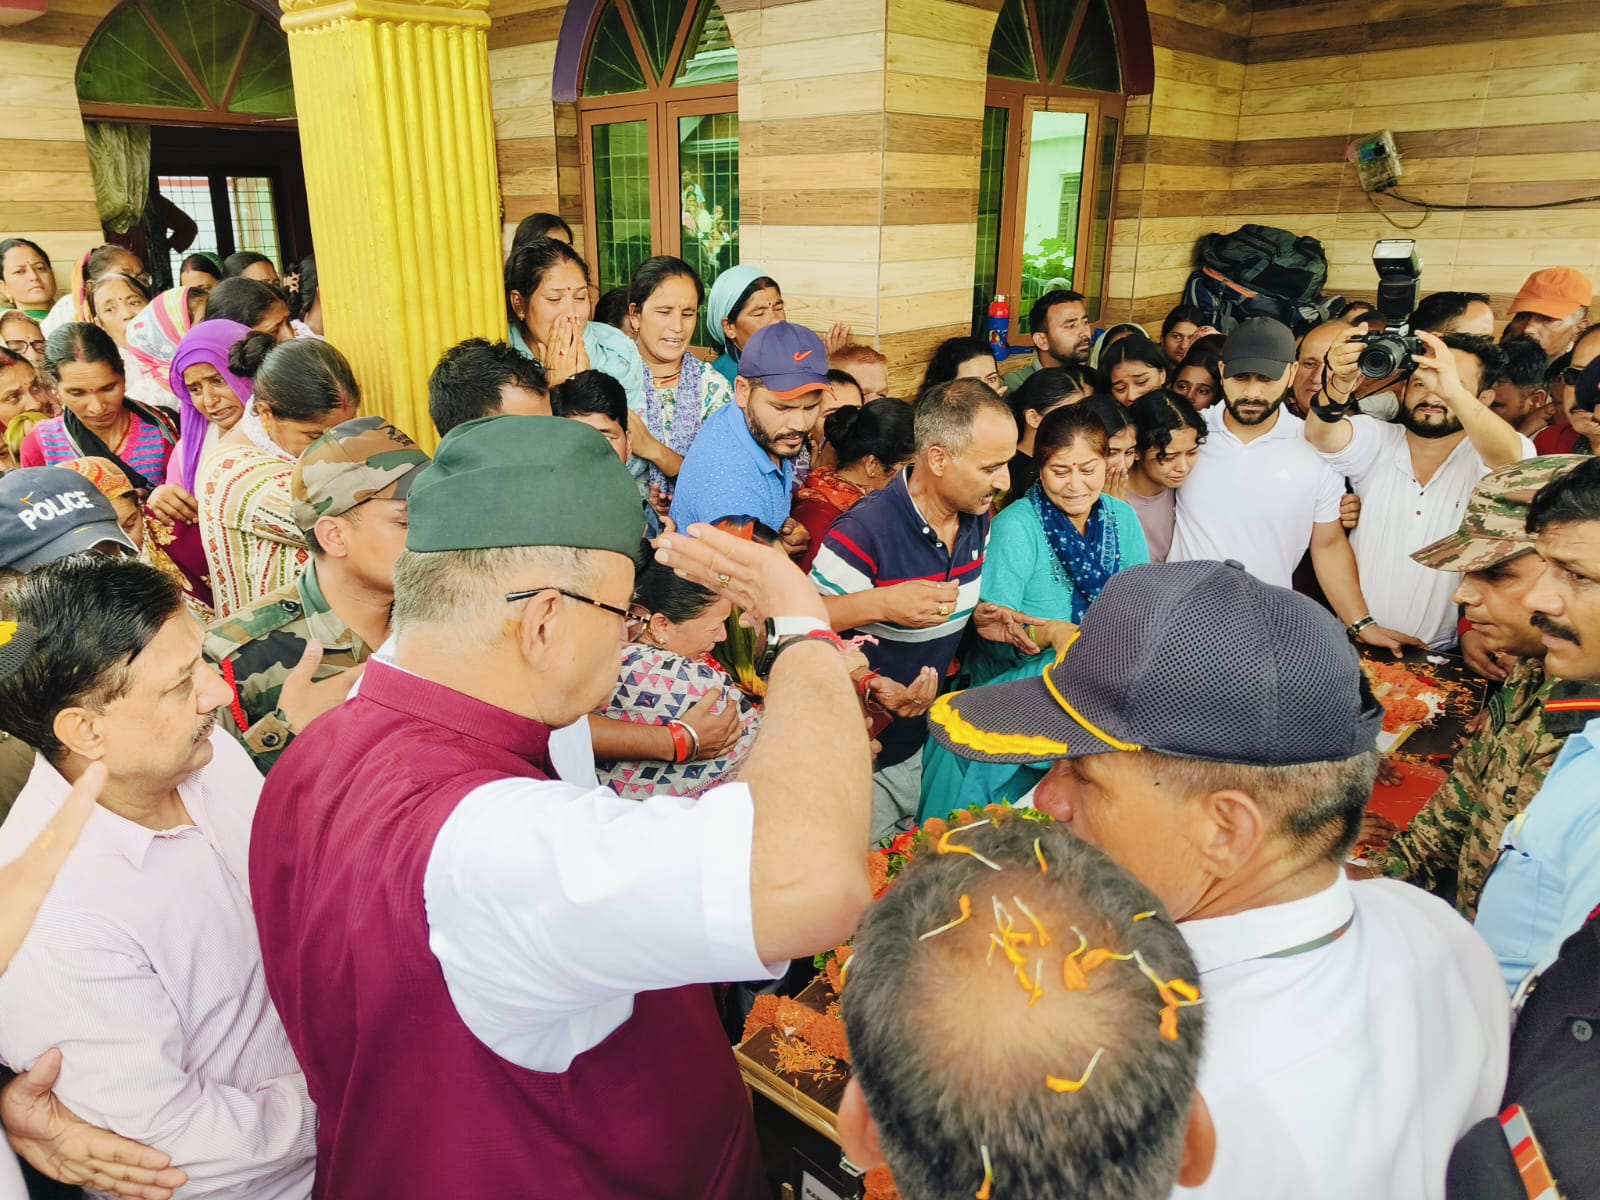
{"type": "Point", "coordinates": [1453, 842]}
{"type": "Point", "coordinates": [295, 654]}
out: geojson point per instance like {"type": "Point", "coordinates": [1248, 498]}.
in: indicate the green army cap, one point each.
{"type": "Point", "coordinates": [350, 464]}
{"type": "Point", "coordinates": [511, 480]}
{"type": "Point", "coordinates": [1494, 527]}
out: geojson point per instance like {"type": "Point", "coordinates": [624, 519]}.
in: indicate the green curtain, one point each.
{"type": "Point", "coordinates": [119, 156]}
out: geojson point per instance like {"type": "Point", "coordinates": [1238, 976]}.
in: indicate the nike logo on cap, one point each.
{"type": "Point", "coordinates": [802, 356]}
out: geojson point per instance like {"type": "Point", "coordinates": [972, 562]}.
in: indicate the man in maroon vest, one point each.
{"type": "Point", "coordinates": [495, 980]}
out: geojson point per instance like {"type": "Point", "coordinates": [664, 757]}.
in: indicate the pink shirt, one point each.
{"type": "Point", "coordinates": [144, 968]}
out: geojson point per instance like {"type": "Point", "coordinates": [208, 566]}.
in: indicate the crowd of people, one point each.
{"type": "Point", "coordinates": [373, 823]}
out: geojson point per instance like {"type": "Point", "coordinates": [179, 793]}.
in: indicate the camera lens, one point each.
{"type": "Point", "coordinates": [1383, 356]}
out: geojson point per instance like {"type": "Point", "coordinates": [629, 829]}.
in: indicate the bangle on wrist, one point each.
{"type": "Point", "coordinates": [685, 742]}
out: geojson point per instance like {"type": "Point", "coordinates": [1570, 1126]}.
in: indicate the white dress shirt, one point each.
{"type": "Point", "coordinates": [1254, 502]}
{"type": "Point", "coordinates": [144, 967]}
{"type": "Point", "coordinates": [551, 906]}
{"type": "Point", "coordinates": [1399, 515]}
{"type": "Point", "coordinates": [1349, 1070]}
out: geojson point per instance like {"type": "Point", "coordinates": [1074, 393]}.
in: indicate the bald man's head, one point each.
{"type": "Point", "coordinates": [969, 1039]}
{"type": "Point", "coordinates": [1314, 347]}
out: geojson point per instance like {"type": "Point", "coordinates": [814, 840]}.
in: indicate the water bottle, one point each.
{"type": "Point", "coordinates": [1000, 327]}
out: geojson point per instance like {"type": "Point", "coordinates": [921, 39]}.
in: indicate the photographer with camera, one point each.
{"type": "Point", "coordinates": [1413, 477]}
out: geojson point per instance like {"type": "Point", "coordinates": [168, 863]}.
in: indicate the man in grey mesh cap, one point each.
{"type": "Point", "coordinates": [1214, 735]}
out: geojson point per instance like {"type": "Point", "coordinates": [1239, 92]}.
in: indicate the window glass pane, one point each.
{"type": "Point", "coordinates": [621, 200]}
{"type": "Point", "coordinates": [255, 223]}
{"type": "Point", "coordinates": [708, 155]}
{"type": "Point", "coordinates": [657, 22]}
{"type": "Point", "coordinates": [1055, 23]}
{"type": "Point", "coordinates": [208, 34]}
{"type": "Point", "coordinates": [991, 185]}
{"type": "Point", "coordinates": [1094, 64]}
{"type": "Point", "coordinates": [1050, 219]}
{"type": "Point", "coordinates": [192, 193]}
{"type": "Point", "coordinates": [1100, 226]}
{"type": "Point", "coordinates": [266, 84]}
{"type": "Point", "coordinates": [1011, 47]}
{"type": "Point", "coordinates": [127, 64]}
{"type": "Point", "coordinates": [613, 67]}
{"type": "Point", "coordinates": [709, 56]}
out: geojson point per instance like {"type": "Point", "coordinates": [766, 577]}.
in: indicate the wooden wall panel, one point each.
{"type": "Point", "coordinates": [527, 125]}
{"type": "Point", "coordinates": [48, 197]}
{"type": "Point", "coordinates": [1489, 103]}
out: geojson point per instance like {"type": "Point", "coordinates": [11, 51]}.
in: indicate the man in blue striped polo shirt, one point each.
{"type": "Point", "coordinates": [903, 566]}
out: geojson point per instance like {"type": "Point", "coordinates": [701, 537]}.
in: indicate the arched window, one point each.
{"type": "Point", "coordinates": [1052, 119]}
{"type": "Point", "coordinates": [191, 62]}
{"type": "Point", "coordinates": [658, 127]}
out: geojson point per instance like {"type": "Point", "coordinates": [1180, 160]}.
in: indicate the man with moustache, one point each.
{"type": "Point", "coordinates": [1215, 739]}
{"type": "Point", "coordinates": [1258, 495]}
{"type": "Point", "coordinates": [1552, 308]}
{"type": "Point", "coordinates": [143, 966]}
{"type": "Point", "coordinates": [1414, 476]}
{"type": "Point", "coordinates": [1546, 882]}
{"type": "Point", "coordinates": [903, 568]}
{"type": "Point", "coordinates": [1061, 331]}
{"type": "Point", "coordinates": [1451, 845]}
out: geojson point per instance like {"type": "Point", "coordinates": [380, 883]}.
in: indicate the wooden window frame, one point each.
{"type": "Point", "coordinates": [216, 114]}
{"type": "Point", "coordinates": [660, 105]}
{"type": "Point", "coordinates": [1021, 101]}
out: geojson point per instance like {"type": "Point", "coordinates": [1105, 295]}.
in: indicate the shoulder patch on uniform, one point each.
{"type": "Point", "coordinates": [1570, 706]}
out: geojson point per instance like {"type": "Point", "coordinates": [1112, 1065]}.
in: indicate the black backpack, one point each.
{"type": "Point", "coordinates": [1258, 271]}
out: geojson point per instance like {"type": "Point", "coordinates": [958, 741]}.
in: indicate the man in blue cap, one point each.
{"type": "Point", "coordinates": [1214, 736]}
{"type": "Point", "coordinates": [742, 463]}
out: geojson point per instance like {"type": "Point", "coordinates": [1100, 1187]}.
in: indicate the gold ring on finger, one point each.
{"type": "Point", "coordinates": [722, 579]}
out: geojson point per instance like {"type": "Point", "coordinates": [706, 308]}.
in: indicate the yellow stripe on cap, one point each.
{"type": "Point", "coordinates": [964, 733]}
{"type": "Point", "coordinates": [1114, 743]}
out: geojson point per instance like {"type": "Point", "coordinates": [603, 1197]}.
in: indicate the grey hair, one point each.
{"type": "Point", "coordinates": [1315, 807]}
{"type": "Point", "coordinates": [466, 589]}
{"type": "Point", "coordinates": [947, 412]}
{"type": "Point", "coordinates": [940, 1082]}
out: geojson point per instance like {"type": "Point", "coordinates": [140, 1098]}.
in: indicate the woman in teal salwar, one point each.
{"type": "Point", "coordinates": [1050, 554]}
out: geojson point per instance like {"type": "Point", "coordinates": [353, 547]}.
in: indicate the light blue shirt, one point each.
{"type": "Point", "coordinates": [725, 474]}
{"type": "Point", "coordinates": [1547, 879]}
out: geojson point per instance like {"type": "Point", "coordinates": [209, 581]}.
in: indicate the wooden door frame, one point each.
{"type": "Point", "coordinates": [1021, 101]}
{"type": "Point", "coordinates": [588, 122]}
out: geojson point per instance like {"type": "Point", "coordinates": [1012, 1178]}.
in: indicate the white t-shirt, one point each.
{"type": "Point", "coordinates": [1350, 1069]}
{"type": "Point", "coordinates": [1255, 502]}
{"type": "Point", "coordinates": [1399, 515]}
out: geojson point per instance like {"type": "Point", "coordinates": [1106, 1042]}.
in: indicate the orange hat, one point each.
{"type": "Point", "coordinates": [1556, 292]}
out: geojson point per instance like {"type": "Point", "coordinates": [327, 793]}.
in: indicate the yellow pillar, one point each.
{"type": "Point", "coordinates": [397, 135]}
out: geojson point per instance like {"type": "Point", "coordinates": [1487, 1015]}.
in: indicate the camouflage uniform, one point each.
{"type": "Point", "coordinates": [261, 644]}
{"type": "Point", "coordinates": [257, 647]}
{"type": "Point", "coordinates": [1455, 839]}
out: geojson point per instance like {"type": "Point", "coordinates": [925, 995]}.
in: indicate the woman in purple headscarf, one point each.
{"type": "Point", "coordinates": [211, 400]}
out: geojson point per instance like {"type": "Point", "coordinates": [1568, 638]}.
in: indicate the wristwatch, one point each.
{"type": "Point", "coordinates": [785, 631]}
{"type": "Point", "coordinates": [1354, 631]}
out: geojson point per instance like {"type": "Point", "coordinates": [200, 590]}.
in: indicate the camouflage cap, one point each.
{"type": "Point", "coordinates": [1494, 528]}
{"type": "Point", "coordinates": [350, 464]}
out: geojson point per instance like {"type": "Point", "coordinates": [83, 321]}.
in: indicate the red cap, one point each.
{"type": "Point", "coordinates": [1556, 292]}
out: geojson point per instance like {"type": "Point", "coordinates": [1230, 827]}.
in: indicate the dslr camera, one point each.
{"type": "Point", "coordinates": [1399, 268]}
{"type": "Point", "coordinates": [1387, 353]}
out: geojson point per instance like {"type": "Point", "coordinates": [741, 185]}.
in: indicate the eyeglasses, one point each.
{"type": "Point", "coordinates": [629, 616]}
{"type": "Point", "coordinates": [1569, 376]}
{"type": "Point", "coordinates": [22, 347]}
